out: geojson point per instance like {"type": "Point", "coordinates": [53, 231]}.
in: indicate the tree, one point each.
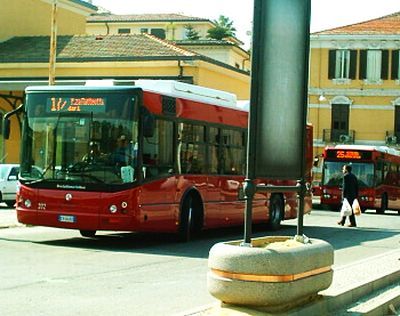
{"type": "Point", "coordinates": [191, 33]}
{"type": "Point", "coordinates": [223, 28]}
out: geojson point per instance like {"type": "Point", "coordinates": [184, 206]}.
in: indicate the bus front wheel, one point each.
{"type": "Point", "coordinates": [88, 233]}
{"type": "Point", "coordinates": [384, 204]}
{"type": "Point", "coordinates": [275, 212]}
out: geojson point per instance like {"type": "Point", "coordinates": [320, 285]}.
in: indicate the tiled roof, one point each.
{"type": "Point", "coordinates": [90, 48]}
{"type": "Point", "coordinates": [144, 18]}
{"type": "Point", "coordinates": [389, 24]}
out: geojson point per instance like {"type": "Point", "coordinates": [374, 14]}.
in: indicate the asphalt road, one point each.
{"type": "Point", "coordinates": [46, 271]}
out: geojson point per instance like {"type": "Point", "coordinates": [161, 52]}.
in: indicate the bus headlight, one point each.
{"type": "Point", "coordinates": [327, 196]}
{"type": "Point", "coordinates": [28, 203]}
{"type": "Point", "coordinates": [113, 208]}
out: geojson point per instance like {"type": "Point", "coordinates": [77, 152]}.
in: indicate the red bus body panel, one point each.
{"type": "Point", "coordinates": [152, 207]}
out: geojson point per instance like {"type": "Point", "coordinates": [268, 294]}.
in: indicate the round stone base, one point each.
{"type": "Point", "coordinates": [276, 271]}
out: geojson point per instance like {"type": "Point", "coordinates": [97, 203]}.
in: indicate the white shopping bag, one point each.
{"type": "Point", "coordinates": [346, 209]}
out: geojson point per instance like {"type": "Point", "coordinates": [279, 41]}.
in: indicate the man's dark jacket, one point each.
{"type": "Point", "coordinates": [350, 187]}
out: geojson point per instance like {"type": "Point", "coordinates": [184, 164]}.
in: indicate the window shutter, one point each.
{"type": "Point", "coordinates": [385, 65]}
{"type": "Point", "coordinates": [395, 65]}
{"type": "Point", "coordinates": [353, 64]}
{"type": "Point", "coordinates": [332, 64]}
{"type": "Point", "coordinates": [363, 64]}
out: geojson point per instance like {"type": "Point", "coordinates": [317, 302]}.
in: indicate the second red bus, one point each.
{"type": "Point", "coordinates": [377, 169]}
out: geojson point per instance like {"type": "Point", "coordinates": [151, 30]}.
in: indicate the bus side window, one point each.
{"type": "Point", "coordinates": [386, 174]}
{"type": "Point", "coordinates": [379, 172]}
{"type": "Point", "coordinates": [233, 152]}
{"type": "Point", "coordinates": [213, 150]}
{"type": "Point", "coordinates": [192, 148]}
{"type": "Point", "coordinates": [158, 150]}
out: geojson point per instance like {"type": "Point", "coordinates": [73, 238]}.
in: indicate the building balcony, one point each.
{"type": "Point", "coordinates": [338, 136]}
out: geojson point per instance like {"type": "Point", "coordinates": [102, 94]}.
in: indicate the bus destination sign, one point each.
{"type": "Point", "coordinates": [79, 104]}
{"type": "Point", "coordinates": [349, 154]}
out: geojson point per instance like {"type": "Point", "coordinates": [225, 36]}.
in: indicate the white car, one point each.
{"type": "Point", "coordinates": [8, 183]}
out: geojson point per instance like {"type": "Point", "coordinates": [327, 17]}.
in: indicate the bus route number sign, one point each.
{"type": "Point", "coordinates": [344, 154]}
{"type": "Point", "coordinates": [79, 104]}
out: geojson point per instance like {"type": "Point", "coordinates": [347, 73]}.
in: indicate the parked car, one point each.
{"type": "Point", "coordinates": [8, 183]}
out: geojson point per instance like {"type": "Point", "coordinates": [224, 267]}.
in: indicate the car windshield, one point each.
{"type": "Point", "coordinates": [332, 173]}
{"type": "Point", "coordinates": [4, 170]}
{"type": "Point", "coordinates": [84, 139]}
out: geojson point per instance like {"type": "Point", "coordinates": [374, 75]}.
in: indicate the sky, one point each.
{"type": "Point", "coordinates": [325, 14]}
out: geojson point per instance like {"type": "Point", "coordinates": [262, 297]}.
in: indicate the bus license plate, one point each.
{"type": "Point", "coordinates": [66, 218]}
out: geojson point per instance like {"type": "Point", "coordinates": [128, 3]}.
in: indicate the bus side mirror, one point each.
{"type": "Point", "coordinates": [6, 120]}
{"type": "Point", "coordinates": [6, 128]}
{"type": "Point", "coordinates": [148, 123]}
{"type": "Point", "coordinates": [316, 161]}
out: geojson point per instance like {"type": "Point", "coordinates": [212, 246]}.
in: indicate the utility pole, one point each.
{"type": "Point", "coordinates": [53, 44]}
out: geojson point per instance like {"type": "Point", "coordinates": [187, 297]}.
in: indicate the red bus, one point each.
{"type": "Point", "coordinates": [157, 156]}
{"type": "Point", "coordinates": [378, 172]}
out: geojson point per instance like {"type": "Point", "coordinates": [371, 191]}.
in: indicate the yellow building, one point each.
{"type": "Point", "coordinates": [33, 17]}
{"type": "Point", "coordinates": [165, 26]}
{"type": "Point", "coordinates": [174, 28]}
{"type": "Point", "coordinates": [354, 94]}
{"type": "Point", "coordinates": [24, 58]}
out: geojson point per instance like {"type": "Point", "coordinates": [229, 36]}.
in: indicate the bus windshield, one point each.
{"type": "Point", "coordinates": [332, 173]}
{"type": "Point", "coordinates": [81, 137]}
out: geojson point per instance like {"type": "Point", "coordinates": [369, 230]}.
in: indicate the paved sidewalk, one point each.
{"type": "Point", "coordinates": [8, 218]}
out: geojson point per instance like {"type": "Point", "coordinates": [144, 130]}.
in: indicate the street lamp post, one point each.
{"type": "Point", "coordinates": [53, 44]}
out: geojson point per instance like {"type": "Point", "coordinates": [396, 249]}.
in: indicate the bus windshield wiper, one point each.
{"type": "Point", "coordinates": [91, 177]}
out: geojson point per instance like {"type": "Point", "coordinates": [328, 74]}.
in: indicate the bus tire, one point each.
{"type": "Point", "coordinates": [384, 204]}
{"type": "Point", "coordinates": [88, 233]}
{"type": "Point", "coordinates": [191, 217]}
{"type": "Point", "coordinates": [276, 211]}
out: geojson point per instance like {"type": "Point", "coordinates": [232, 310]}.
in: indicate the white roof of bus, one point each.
{"type": "Point", "coordinates": [384, 149]}
{"type": "Point", "coordinates": [243, 105]}
{"type": "Point", "coordinates": [188, 91]}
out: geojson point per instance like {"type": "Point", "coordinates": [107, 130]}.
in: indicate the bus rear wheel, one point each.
{"type": "Point", "coordinates": [275, 212]}
{"type": "Point", "coordinates": [88, 233]}
{"type": "Point", "coordinates": [190, 218]}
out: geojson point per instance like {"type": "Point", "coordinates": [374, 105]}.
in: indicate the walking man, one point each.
{"type": "Point", "coordinates": [350, 192]}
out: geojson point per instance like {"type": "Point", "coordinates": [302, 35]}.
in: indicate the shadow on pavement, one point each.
{"type": "Point", "coordinates": [166, 244]}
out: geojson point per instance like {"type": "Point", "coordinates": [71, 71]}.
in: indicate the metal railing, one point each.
{"type": "Point", "coordinates": [338, 136]}
{"type": "Point", "coordinates": [391, 138]}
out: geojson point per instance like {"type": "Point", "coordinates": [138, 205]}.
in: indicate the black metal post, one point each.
{"type": "Point", "coordinates": [301, 195]}
{"type": "Point", "coordinates": [249, 190]}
